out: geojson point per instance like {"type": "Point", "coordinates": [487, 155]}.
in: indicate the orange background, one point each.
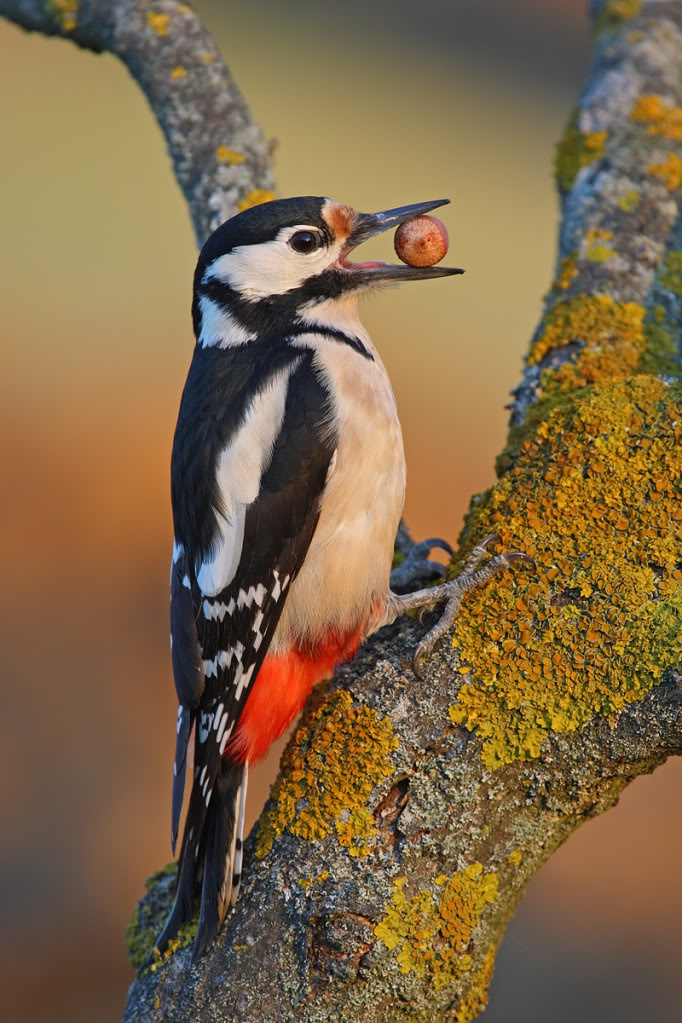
{"type": "Point", "coordinates": [377, 105]}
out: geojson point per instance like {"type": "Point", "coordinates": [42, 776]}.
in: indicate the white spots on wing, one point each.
{"type": "Point", "coordinates": [237, 676]}
{"type": "Point", "coordinates": [279, 587]}
{"type": "Point", "coordinates": [226, 736]}
{"type": "Point", "coordinates": [220, 722]}
{"type": "Point", "coordinates": [238, 474]}
{"type": "Point", "coordinates": [205, 726]}
{"type": "Point", "coordinates": [271, 268]}
{"type": "Point", "coordinates": [219, 329]}
{"type": "Point", "coordinates": [218, 609]}
{"type": "Point", "coordinates": [186, 583]}
{"type": "Point", "coordinates": [223, 659]}
{"type": "Point", "coordinates": [178, 551]}
{"type": "Point", "coordinates": [276, 589]}
{"type": "Point", "coordinates": [243, 681]}
{"type": "Point", "coordinates": [180, 712]}
{"type": "Point", "coordinates": [258, 638]}
{"type": "Point", "coordinates": [254, 593]}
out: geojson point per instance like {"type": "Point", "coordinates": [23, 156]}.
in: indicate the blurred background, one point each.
{"type": "Point", "coordinates": [377, 105]}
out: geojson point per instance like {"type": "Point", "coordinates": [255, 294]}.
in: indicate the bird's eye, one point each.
{"type": "Point", "coordinates": [304, 241]}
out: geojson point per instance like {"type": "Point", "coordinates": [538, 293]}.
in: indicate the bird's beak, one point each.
{"type": "Point", "coordinates": [367, 225]}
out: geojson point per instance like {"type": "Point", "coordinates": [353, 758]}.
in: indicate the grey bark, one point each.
{"type": "Point", "coordinates": [311, 937]}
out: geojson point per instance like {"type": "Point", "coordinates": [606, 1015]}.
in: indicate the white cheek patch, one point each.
{"type": "Point", "coordinates": [218, 328]}
{"type": "Point", "coordinates": [271, 268]}
{"type": "Point", "coordinates": [238, 474]}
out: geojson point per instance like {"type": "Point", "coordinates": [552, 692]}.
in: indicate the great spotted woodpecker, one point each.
{"type": "Point", "coordinates": [288, 482]}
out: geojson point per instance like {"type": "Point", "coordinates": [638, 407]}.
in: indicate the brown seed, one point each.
{"type": "Point", "coordinates": [421, 242]}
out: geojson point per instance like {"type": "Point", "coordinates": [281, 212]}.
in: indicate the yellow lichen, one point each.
{"type": "Point", "coordinates": [615, 12]}
{"type": "Point", "coordinates": [660, 116]}
{"type": "Point", "coordinates": [600, 253]}
{"type": "Point", "coordinates": [671, 276]}
{"type": "Point", "coordinates": [329, 769]}
{"type": "Point", "coordinates": [595, 496]}
{"type": "Point", "coordinates": [183, 939]}
{"type": "Point", "coordinates": [255, 198]}
{"type": "Point", "coordinates": [306, 882]}
{"type": "Point", "coordinates": [178, 72]}
{"type": "Point", "coordinates": [609, 334]}
{"type": "Point", "coordinates": [226, 155]}
{"type": "Point", "coordinates": [576, 150]}
{"type": "Point", "coordinates": [432, 931]}
{"type": "Point", "coordinates": [476, 999]}
{"type": "Point", "coordinates": [66, 13]}
{"type": "Point", "coordinates": [515, 857]}
{"type": "Point", "coordinates": [567, 273]}
{"type": "Point", "coordinates": [669, 171]}
{"type": "Point", "coordinates": [207, 57]}
{"type": "Point", "coordinates": [629, 201]}
{"type": "Point", "coordinates": [158, 22]}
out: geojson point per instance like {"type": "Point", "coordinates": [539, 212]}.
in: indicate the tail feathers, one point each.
{"type": "Point", "coordinates": [219, 852]}
{"type": "Point", "coordinates": [185, 721]}
{"type": "Point", "coordinates": [189, 863]}
{"type": "Point", "coordinates": [181, 911]}
{"type": "Point", "coordinates": [239, 838]}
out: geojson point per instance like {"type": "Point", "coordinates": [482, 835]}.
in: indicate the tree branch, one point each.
{"type": "Point", "coordinates": [220, 159]}
{"type": "Point", "coordinates": [409, 815]}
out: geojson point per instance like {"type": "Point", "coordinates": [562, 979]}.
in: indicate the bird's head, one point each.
{"type": "Point", "coordinates": [259, 269]}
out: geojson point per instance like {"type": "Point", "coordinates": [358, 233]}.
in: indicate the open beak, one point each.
{"type": "Point", "coordinates": [367, 225]}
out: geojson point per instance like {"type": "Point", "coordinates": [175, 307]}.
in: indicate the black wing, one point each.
{"type": "Point", "coordinates": [234, 627]}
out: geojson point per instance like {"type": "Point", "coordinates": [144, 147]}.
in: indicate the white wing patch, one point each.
{"type": "Point", "coordinates": [239, 472]}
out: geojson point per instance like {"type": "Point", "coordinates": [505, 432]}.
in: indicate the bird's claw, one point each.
{"type": "Point", "coordinates": [469, 579]}
{"type": "Point", "coordinates": [523, 559]}
{"type": "Point", "coordinates": [416, 658]}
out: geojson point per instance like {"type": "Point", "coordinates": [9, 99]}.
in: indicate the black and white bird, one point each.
{"type": "Point", "coordinates": [288, 482]}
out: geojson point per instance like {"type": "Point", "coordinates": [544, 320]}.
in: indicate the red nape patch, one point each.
{"type": "Point", "coordinates": [282, 686]}
{"type": "Point", "coordinates": [339, 218]}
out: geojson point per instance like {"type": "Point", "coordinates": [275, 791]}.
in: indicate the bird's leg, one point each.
{"type": "Point", "coordinates": [469, 579]}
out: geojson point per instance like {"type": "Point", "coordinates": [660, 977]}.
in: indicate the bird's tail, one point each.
{"type": "Point", "coordinates": [211, 854]}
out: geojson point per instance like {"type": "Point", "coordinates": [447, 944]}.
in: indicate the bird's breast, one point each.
{"type": "Point", "coordinates": [345, 575]}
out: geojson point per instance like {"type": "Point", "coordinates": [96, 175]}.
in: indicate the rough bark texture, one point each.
{"type": "Point", "coordinates": [409, 815]}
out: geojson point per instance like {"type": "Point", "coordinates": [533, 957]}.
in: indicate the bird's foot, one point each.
{"type": "Point", "coordinates": [471, 577]}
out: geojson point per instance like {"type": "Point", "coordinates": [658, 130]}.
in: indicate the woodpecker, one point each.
{"type": "Point", "coordinates": [287, 485]}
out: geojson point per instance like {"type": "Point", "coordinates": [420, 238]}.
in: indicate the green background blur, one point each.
{"type": "Point", "coordinates": [377, 105]}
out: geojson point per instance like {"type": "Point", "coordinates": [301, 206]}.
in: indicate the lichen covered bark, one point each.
{"type": "Point", "coordinates": [410, 815]}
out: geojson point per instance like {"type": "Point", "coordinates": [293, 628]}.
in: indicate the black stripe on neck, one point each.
{"type": "Point", "coordinates": [334, 333]}
{"type": "Point", "coordinates": [269, 317]}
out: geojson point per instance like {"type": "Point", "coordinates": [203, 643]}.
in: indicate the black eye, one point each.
{"type": "Point", "coordinates": [304, 241]}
